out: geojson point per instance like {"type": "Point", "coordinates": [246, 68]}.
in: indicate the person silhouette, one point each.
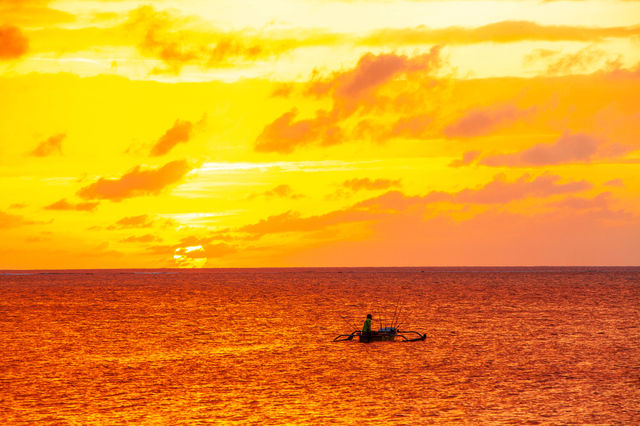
{"type": "Point", "coordinates": [366, 328]}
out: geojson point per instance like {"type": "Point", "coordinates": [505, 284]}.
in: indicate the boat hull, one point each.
{"type": "Point", "coordinates": [376, 337]}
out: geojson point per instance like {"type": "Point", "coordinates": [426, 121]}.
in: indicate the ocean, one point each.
{"type": "Point", "coordinates": [504, 345]}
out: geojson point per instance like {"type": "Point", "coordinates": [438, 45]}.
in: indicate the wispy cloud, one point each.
{"type": "Point", "coordinates": [279, 191]}
{"type": "Point", "coordinates": [65, 205]}
{"type": "Point", "coordinates": [8, 220]}
{"type": "Point", "coordinates": [147, 238]}
{"type": "Point", "coordinates": [137, 182]}
{"type": "Point", "coordinates": [569, 148]}
{"type": "Point", "coordinates": [50, 146]}
{"type": "Point", "coordinates": [368, 184]}
{"type": "Point", "coordinates": [32, 13]}
{"type": "Point", "coordinates": [482, 121]}
{"type": "Point", "coordinates": [499, 32]}
{"type": "Point", "coordinates": [140, 221]}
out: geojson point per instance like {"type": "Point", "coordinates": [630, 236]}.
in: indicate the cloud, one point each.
{"type": "Point", "coordinates": [569, 148]}
{"type": "Point", "coordinates": [499, 32]}
{"type": "Point", "coordinates": [349, 90]}
{"type": "Point", "coordinates": [51, 146]}
{"type": "Point", "coordinates": [619, 73]}
{"type": "Point", "coordinates": [538, 55]}
{"type": "Point", "coordinates": [482, 121]}
{"type": "Point", "coordinates": [8, 220]}
{"type": "Point", "coordinates": [394, 201]}
{"type": "Point", "coordinates": [65, 205]}
{"type": "Point", "coordinates": [615, 183]}
{"type": "Point", "coordinates": [600, 201]}
{"type": "Point", "coordinates": [373, 71]}
{"type": "Point", "coordinates": [280, 191]}
{"type": "Point", "coordinates": [147, 238]}
{"type": "Point", "coordinates": [498, 191]}
{"type": "Point", "coordinates": [589, 59]}
{"type": "Point", "coordinates": [291, 221]}
{"type": "Point", "coordinates": [369, 184]}
{"type": "Point", "coordinates": [414, 126]}
{"type": "Point", "coordinates": [140, 221]}
{"type": "Point", "coordinates": [180, 132]}
{"type": "Point", "coordinates": [495, 236]}
{"type": "Point", "coordinates": [467, 158]}
{"type": "Point", "coordinates": [178, 41]}
{"type": "Point", "coordinates": [285, 134]}
{"type": "Point", "coordinates": [13, 44]}
{"type": "Point", "coordinates": [577, 62]}
{"type": "Point", "coordinates": [136, 183]}
{"type": "Point", "coordinates": [31, 13]}
{"type": "Point", "coordinates": [283, 90]}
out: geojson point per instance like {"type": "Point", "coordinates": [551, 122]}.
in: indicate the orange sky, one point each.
{"type": "Point", "coordinates": [319, 133]}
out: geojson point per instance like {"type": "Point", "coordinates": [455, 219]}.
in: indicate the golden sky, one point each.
{"type": "Point", "coordinates": [237, 133]}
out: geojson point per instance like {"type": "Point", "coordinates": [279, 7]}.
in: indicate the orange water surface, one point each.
{"type": "Point", "coordinates": [504, 345]}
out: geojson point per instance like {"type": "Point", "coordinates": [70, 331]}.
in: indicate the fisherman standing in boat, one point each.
{"type": "Point", "coordinates": [366, 328]}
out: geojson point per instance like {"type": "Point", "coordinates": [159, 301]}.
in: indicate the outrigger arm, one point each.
{"type": "Point", "coordinates": [413, 339]}
{"type": "Point", "coordinates": [343, 337]}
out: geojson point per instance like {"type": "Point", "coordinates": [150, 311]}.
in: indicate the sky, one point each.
{"type": "Point", "coordinates": [237, 133]}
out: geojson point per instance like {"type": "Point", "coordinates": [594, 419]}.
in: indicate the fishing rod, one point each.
{"type": "Point", "coordinates": [398, 322]}
{"type": "Point", "coordinates": [393, 320]}
{"type": "Point", "coordinates": [348, 323]}
{"type": "Point", "coordinates": [378, 319]}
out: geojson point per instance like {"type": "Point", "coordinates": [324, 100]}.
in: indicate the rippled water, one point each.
{"type": "Point", "coordinates": [503, 345]}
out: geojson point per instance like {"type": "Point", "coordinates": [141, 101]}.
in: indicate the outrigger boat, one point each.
{"type": "Point", "coordinates": [384, 334]}
{"type": "Point", "coordinates": [388, 332]}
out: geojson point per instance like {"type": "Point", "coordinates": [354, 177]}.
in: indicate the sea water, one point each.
{"type": "Point", "coordinates": [504, 345]}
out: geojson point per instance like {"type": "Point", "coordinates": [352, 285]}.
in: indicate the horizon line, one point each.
{"type": "Point", "coordinates": [322, 267]}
